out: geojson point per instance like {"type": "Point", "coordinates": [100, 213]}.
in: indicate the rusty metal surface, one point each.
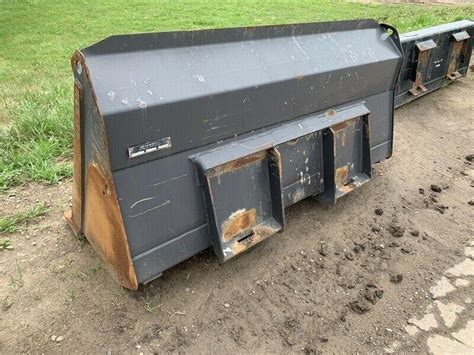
{"type": "Point", "coordinates": [458, 54]}
{"type": "Point", "coordinates": [104, 227]}
{"type": "Point", "coordinates": [239, 222]}
{"type": "Point", "coordinates": [95, 207]}
{"type": "Point", "coordinates": [288, 166]}
{"type": "Point", "coordinates": [306, 153]}
{"type": "Point", "coordinates": [237, 163]}
{"type": "Point", "coordinates": [77, 193]}
{"type": "Point", "coordinates": [240, 202]}
{"type": "Point", "coordinates": [423, 51]}
{"type": "Point", "coordinates": [203, 138]}
{"type": "Point", "coordinates": [432, 58]}
{"type": "Point", "coordinates": [350, 164]}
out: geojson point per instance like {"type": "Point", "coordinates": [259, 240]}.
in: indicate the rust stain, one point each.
{"type": "Point", "coordinates": [259, 233]}
{"type": "Point", "coordinates": [456, 50]}
{"type": "Point", "coordinates": [365, 122]}
{"type": "Point", "coordinates": [103, 227]}
{"type": "Point", "coordinates": [418, 87]}
{"type": "Point", "coordinates": [298, 195]}
{"type": "Point", "coordinates": [340, 126]}
{"type": "Point", "coordinates": [237, 164]}
{"type": "Point", "coordinates": [238, 222]}
{"type": "Point", "coordinates": [340, 130]}
{"type": "Point", "coordinates": [68, 217]}
{"type": "Point", "coordinates": [341, 175]}
{"type": "Point", "coordinates": [238, 248]}
{"type": "Point", "coordinates": [343, 125]}
{"type": "Point", "coordinates": [78, 58]}
{"type": "Point", "coordinates": [330, 113]}
{"type": "Point", "coordinates": [346, 188]}
{"type": "Point", "coordinates": [95, 210]}
{"type": "Point", "coordinates": [300, 77]}
{"type": "Point", "coordinates": [76, 212]}
{"type": "Point", "coordinates": [275, 157]}
{"type": "Point", "coordinates": [263, 231]}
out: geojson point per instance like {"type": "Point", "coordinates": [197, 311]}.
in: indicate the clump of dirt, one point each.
{"type": "Point", "coordinates": [396, 230]}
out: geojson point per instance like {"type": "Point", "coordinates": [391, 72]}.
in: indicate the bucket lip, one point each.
{"type": "Point", "coordinates": [174, 39]}
{"type": "Point", "coordinates": [430, 31]}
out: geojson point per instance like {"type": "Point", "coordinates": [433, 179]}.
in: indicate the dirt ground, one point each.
{"type": "Point", "coordinates": [339, 279]}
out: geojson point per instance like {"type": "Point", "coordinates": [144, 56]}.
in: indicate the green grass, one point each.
{"type": "Point", "coordinates": [38, 38]}
{"type": "Point", "coordinates": [10, 224]}
{"type": "Point", "coordinates": [6, 244]}
{"type": "Point", "coordinates": [16, 280]}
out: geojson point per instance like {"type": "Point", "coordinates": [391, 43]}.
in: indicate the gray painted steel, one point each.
{"type": "Point", "coordinates": [211, 134]}
{"type": "Point", "coordinates": [437, 44]}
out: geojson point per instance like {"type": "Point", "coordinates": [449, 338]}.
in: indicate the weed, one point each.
{"type": "Point", "coordinates": [6, 304]}
{"type": "Point", "coordinates": [70, 296]}
{"type": "Point", "coordinates": [10, 224]}
{"type": "Point", "coordinates": [6, 244]}
{"type": "Point", "coordinates": [58, 269]}
{"type": "Point", "coordinates": [149, 304]}
{"type": "Point", "coordinates": [81, 275]}
{"type": "Point", "coordinates": [81, 239]}
{"type": "Point", "coordinates": [16, 280]}
{"type": "Point", "coordinates": [96, 267]}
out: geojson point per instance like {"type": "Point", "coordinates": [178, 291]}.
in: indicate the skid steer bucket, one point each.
{"type": "Point", "coordinates": [432, 58]}
{"type": "Point", "coordinates": [186, 140]}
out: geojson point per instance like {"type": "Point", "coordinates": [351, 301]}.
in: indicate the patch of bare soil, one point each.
{"type": "Point", "coordinates": [341, 278]}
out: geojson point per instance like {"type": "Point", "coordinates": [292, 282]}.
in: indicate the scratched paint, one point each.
{"type": "Point", "coordinates": [168, 180]}
{"type": "Point", "coordinates": [239, 114]}
{"type": "Point", "coordinates": [150, 209]}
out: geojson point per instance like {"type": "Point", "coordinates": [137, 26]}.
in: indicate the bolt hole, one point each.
{"type": "Point", "coordinates": [350, 182]}
{"type": "Point", "coordinates": [330, 113]}
{"type": "Point", "coordinates": [245, 237]}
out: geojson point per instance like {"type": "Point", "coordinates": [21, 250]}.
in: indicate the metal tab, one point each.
{"type": "Point", "coordinates": [426, 45]}
{"type": "Point", "coordinates": [248, 183]}
{"type": "Point", "coordinates": [461, 36]}
{"type": "Point", "coordinates": [423, 53]}
{"type": "Point", "coordinates": [244, 202]}
{"type": "Point", "coordinates": [458, 54]}
{"type": "Point", "coordinates": [346, 157]}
